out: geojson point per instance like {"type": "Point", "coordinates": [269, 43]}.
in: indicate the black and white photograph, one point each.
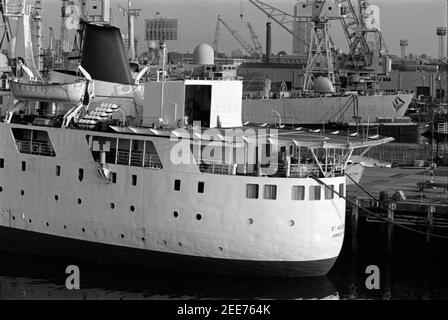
{"type": "Point", "coordinates": [224, 155]}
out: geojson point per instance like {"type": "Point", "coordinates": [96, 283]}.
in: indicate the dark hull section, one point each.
{"type": "Point", "coordinates": [52, 246]}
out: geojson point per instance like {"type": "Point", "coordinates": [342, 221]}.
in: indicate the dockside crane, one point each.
{"type": "Point", "coordinates": [252, 52]}
{"type": "Point", "coordinates": [368, 53]}
{"type": "Point", "coordinates": [318, 13]}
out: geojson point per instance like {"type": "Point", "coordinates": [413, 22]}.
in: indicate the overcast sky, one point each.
{"type": "Point", "coordinates": [414, 20]}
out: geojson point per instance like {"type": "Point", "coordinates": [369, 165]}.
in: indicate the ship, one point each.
{"type": "Point", "coordinates": [176, 184]}
{"type": "Point", "coordinates": [347, 108]}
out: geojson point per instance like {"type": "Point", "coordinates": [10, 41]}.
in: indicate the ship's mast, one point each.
{"type": "Point", "coordinates": [131, 14]}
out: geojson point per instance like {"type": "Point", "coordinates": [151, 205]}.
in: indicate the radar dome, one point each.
{"type": "Point", "coordinates": [323, 85]}
{"type": "Point", "coordinates": [204, 55]}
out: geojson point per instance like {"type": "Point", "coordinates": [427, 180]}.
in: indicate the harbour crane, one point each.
{"type": "Point", "coordinates": [367, 48]}
{"type": "Point", "coordinates": [318, 13]}
{"type": "Point", "coordinates": [252, 52]}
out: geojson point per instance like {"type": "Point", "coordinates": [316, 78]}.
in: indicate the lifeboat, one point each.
{"type": "Point", "coordinates": [51, 92]}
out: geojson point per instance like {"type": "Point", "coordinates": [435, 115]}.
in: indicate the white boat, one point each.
{"type": "Point", "coordinates": [166, 196]}
{"type": "Point", "coordinates": [49, 92]}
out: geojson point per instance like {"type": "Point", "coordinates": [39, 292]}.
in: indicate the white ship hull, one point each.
{"type": "Point", "coordinates": [326, 109]}
{"type": "Point", "coordinates": [235, 235]}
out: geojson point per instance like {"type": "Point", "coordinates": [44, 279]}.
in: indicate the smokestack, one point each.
{"type": "Point", "coordinates": [268, 41]}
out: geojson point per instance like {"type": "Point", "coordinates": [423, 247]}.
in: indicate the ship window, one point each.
{"type": "Point", "coordinates": [200, 187]}
{"type": "Point", "coordinates": [2, 163]}
{"type": "Point", "coordinates": [341, 190]}
{"type": "Point", "coordinates": [176, 185]}
{"type": "Point", "coordinates": [298, 193]}
{"type": "Point", "coordinates": [58, 171]}
{"type": "Point", "coordinates": [329, 192]}
{"type": "Point", "coordinates": [252, 191]}
{"type": "Point", "coordinates": [134, 179]}
{"type": "Point", "coordinates": [315, 192]}
{"type": "Point", "coordinates": [270, 192]}
{"type": "Point", "coordinates": [36, 142]}
{"type": "Point", "coordinates": [80, 174]}
{"type": "Point", "coordinates": [23, 165]}
{"type": "Point", "coordinates": [113, 177]}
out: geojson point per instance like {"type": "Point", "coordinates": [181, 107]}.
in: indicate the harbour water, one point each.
{"type": "Point", "coordinates": [416, 269]}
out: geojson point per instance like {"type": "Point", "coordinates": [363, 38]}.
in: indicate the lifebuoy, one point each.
{"type": "Point", "coordinates": [35, 148]}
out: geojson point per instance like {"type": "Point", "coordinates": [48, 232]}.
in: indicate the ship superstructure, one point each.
{"type": "Point", "coordinates": [218, 197]}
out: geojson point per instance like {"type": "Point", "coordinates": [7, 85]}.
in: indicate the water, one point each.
{"type": "Point", "coordinates": [414, 270]}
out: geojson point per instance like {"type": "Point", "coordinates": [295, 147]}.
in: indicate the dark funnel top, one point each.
{"type": "Point", "coordinates": [103, 54]}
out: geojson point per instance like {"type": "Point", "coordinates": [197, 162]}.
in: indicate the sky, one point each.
{"type": "Point", "coordinates": [414, 20]}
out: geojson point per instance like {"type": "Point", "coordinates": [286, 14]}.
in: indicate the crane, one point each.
{"type": "Point", "coordinates": [253, 52]}
{"type": "Point", "coordinates": [366, 43]}
{"type": "Point", "coordinates": [257, 45]}
{"type": "Point", "coordinates": [320, 49]}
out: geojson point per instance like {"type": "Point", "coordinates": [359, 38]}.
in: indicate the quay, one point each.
{"type": "Point", "coordinates": [399, 197]}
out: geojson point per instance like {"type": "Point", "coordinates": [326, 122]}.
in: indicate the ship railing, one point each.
{"type": "Point", "coordinates": [215, 167]}
{"type": "Point", "coordinates": [138, 159]}
{"type": "Point", "coordinates": [35, 148]}
{"type": "Point", "coordinates": [282, 170]}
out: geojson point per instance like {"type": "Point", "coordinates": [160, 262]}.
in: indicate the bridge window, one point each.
{"type": "Point", "coordinates": [341, 190]}
{"type": "Point", "coordinates": [134, 179]}
{"type": "Point", "coordinates": [298, 193]}
{"type": "Point", "coordinates": [2, 163]}
{"type": "Point", "coordinates": [36, 142]}
{"type": "Point", "coordinates": [329, 192]}
{"type": "Point", "coordinates": [315, 193]}
{"type": "Point", "coordinates": [81, 174]}
{"type": "Point", "coordinates": [24, 166]}
{"type": "Point", "coordinates": [58, 171]}
{"type": "Point", "coordinates": [252, 191]}
{"type": "Point", "coordinates": [270, 192]}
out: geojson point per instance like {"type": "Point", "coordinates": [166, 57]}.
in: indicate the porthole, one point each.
{"type": "Point", "coordinates": [175, 214]}
{"type": "Point", "coordinates": [143, 239]}
{"type": "Point", "coordinates": [30, 221]}
{"type": "Point", "coordinates": [22, 192]}
{"type": "Point", "coordinates": [198, 217]}
{"type": "Point", "coordinates": [47, 224]}
{"type": "Point", "coordinates": [13, 218]}
{"type": "Point", "coordinates": [132, 208]}
{"type": "Point", "coordinates": [1, 189]}
{"type": "Point", "coordinates": [179, 244]}
{"type": "Point", "coordinates": [220, 249]}
{"type": "Point", "coordinates": [65, 227]}
{"type": "Point", "coordinates": [250, 221]}
{"type": "Point", "coordinates": [164, 242]}
{"type": "Point", "coordinates": [56, 197]}
{"type": "Point", "coordinates": [122, 236]}
{"type": "Point", "coordinates": [83, 230]}
{"type": "Point", "coordinates": [79, 201]}
{"type": "Point", "coordinates": [291, 223]}
{"type": "Point", "coordinates": [112, 205]}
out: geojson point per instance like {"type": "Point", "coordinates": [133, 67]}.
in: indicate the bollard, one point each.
{"type": "Point", "coordinates": [354, 224]}
{"type": "Point", "coordinates": [391, 206]}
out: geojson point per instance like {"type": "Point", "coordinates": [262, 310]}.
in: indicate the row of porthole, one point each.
{"type": "Point", "coordinates": [83, 229]}
{"type": "Point", "coordinates": [198, 216]}
{"type": "Point", "coordinates": [250, 221]}
{"type": "Point", "coordinates": [79, 200]}
{"type": "Point", "coordinates": [291, 223]}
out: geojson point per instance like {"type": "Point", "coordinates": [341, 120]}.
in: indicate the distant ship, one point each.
{"type": "Point", "coordinates": [148, 187]}
{"type": "Point", "coordinates": [345, 109]}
